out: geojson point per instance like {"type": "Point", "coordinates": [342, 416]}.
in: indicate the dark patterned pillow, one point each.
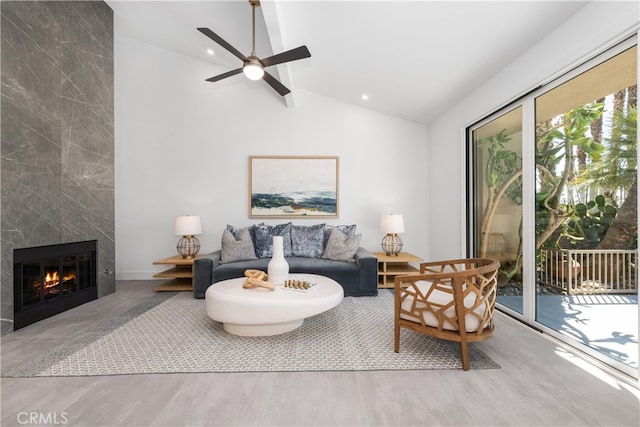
{"type": "Point", "coordinates": [237, 248]}
{"type": "Point", "coordinates": [307, 241]}
{"type": "Point", "coordinates": [348, 230]}
{"type": "Point", "coordinates": [341, 247]}
{"type": "Point", "coordinates": [264, 239]}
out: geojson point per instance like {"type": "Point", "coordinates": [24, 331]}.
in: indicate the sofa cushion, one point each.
{"type": "Point", "coordinates": [349, 230]}
{"type": "Point", "coordinates": [237, 248]}
{"type": "Point", "coordinates": [323, 267]}
{"type": "Point", "coordinates": [307, 241]}
{"type": "Point", "coordinates": [341, 247]}
{"type": "Point", "coordinates": [264, 239]}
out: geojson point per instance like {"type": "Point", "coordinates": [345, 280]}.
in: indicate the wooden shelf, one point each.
{"type": "Point", "coordinates": [396, 269]}
{"type": "Point", "coordinates": [175, 260]}
{"type": "Point", "coordinates": [391, 266]}
{"type": "Point", "coordinates": [181, 273]}
{"type": "Point", "coordinates": [176, 273]}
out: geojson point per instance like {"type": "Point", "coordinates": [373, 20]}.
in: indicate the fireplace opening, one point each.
{"type": "Point", "coordinates": [51, 279]}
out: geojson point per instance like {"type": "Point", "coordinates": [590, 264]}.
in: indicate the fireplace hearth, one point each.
{"type": "Point", "coordinates": [51, 279]}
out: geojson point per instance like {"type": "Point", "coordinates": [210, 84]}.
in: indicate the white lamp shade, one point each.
{"type": "Point", "coordinates": [391, 224]}
{"type": "Point", "coordinates": [188, 225]}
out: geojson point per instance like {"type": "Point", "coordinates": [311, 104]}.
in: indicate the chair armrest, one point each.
{"type": "Point", "coordinates": [203, 272]}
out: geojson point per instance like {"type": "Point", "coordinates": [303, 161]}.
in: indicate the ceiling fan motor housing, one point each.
{"type": "Point", "coordinates": [253, 67]}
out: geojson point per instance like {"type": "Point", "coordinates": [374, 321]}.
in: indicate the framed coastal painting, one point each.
{"type": "Point", "coordinates": [293, 186]}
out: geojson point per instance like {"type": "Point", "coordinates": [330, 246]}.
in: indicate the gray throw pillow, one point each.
{"type": "Point", "coordinates": [349, 230]}
{"type": "Point", "coordinates": [236, 232]}
{"type": "Point", "coordinates": [341, 247]}
{"type": "Point", "coordinates": [237, 249]}
{"type": "Point", "coordinates": [264, 239]}
{"type": "Point", "coordinates": [307, 241]}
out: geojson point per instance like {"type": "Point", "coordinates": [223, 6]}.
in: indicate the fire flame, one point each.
{"type": "Point", "coordinates": [52, 280]}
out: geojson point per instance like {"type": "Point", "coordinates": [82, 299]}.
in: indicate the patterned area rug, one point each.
{"type": "Point", "coordinates": [171, 333]}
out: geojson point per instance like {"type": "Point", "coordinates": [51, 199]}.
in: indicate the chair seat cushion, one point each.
{"type": "Point", "coordinates": [440, 299]}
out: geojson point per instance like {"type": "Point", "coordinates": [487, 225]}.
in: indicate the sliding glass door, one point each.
{"type": "Point", "coordinates": [553, 180]}
{"type": "Point", "coordinates": [586, 208]}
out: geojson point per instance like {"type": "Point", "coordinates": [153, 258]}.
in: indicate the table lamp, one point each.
{"type": "Point", "coordinates": [188, 226]}
{"type": "Point", "coordinates": [391, 225]}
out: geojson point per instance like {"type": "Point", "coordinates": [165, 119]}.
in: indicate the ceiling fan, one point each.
{"type": "Point", "coordinates": [254, 67]}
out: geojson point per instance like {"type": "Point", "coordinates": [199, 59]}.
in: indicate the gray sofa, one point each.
{"type": "Point", "coordinates": [358, 277]}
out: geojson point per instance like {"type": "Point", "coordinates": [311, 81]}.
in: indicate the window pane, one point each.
{"type": "Point", "coordinates": [497, 153]}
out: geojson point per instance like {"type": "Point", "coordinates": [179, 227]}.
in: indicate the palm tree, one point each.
{"type": "Point", "coordinates": [621, 155]}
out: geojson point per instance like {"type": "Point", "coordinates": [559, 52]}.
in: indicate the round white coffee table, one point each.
{"type": "Point", "coordinates": [261, 312]}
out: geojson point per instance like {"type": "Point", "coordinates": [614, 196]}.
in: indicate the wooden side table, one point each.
{"type": "Point", "coordinates": [181, 274]}
{"type": "Point", "coordinates": [391, 266]}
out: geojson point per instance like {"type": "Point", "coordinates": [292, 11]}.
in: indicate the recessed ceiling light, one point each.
{"type": "Point", "coordinates": [365, 96]}
{"type": "Point", "coordinates": [210, 51]}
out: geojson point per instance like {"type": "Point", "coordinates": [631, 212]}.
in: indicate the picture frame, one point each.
{"type": "Point", "coordinates": [293, 186]}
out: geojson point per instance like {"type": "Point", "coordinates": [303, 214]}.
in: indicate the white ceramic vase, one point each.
{"type": "Point", "coordinates": [278, 268]}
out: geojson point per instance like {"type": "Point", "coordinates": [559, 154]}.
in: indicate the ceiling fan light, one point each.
{"type": "Point", "coordinates": [253, 71]}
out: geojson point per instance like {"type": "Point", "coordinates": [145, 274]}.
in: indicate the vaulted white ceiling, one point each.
{"type": "Point", "coordinates": [414, 59]}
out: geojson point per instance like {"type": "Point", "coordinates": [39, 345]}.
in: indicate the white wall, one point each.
{"type": "Point", "coordinates": [182, 147]}
{"type": "Point", "coordinates": [597, 26]}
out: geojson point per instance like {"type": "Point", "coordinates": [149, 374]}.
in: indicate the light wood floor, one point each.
{"type": "Point", "coordinates": [539, 384]}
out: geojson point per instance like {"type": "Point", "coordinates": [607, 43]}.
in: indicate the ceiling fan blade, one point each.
{"type": "Point", "coordinates": [224, 75]}
{"type": "Point", "coordinates": [279, 87]}
{"type": "Point", "coordinates": [216, 38]}
{"type": "Point", "coordinates": [288, 56]}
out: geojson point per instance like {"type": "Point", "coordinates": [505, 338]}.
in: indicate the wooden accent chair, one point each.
{"type": "Point", "coordinates": [453, 300]}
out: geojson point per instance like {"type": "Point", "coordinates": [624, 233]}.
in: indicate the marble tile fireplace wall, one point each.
{"type": "Point", "coordinates": [56, 145]}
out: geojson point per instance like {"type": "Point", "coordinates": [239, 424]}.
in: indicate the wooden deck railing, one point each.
{"type": "Point", "coordinates": [590, 271]}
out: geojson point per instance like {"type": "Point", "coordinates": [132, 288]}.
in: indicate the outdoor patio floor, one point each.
{"type": "Point", "coordinates": [606, 323]}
